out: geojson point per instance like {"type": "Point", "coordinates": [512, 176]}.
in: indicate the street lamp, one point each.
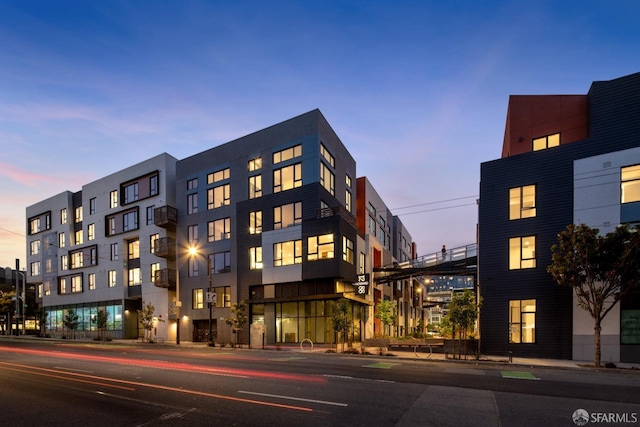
{"type": "Point", "coordinates": [210, 301]}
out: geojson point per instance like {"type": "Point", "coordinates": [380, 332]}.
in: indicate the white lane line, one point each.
{"type": "Point", "coordinates": [346, 377]}
{"type": "Point", "coordinates": [322, 402]}
{"type": "Point", "coordinates": [73, 370]}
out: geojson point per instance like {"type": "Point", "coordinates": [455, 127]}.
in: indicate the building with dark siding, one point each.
{"type": "Point", "coordinates": [564, 160]}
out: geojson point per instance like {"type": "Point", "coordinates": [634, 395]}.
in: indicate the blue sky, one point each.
{"type": "Point", "coordinates": [416, 90]}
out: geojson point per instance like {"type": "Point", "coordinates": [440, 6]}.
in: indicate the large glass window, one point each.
{"type": "Point", "coordinates": [347, 250]}
{"type": "Point", "coordinates": [34, 247]}
{"type": "Point", "coordinates": [522, 321]}
{"type": "Point", "coordinates": [131, 193]}
{"type": "Point", "coordinates": [255, 186]}
{"type": "Point", "coordinates": [255, 222]}
{"type": "Point", "coordinates": [255, 164]}
{"type": "Point", "coordinates": [287, 253]}
{"type": "Point", "coordinates": [130, 221]}
{"type": "Point", "coordinates": [79, 237]}
{"type": "Point", "coordinates": [220, 262]}
{"type": "Point", "coordinates": [219, 229]}
{"type": "Point", "coordinates": [630, 184]}
{"type": "Point", "coordinates": [35, 268]}
{"type": "Point", "coordinates": [223, 296]}
{"type": "Point", "coordinates": [546, 142]}
{"type": "Point", "coordinates": [135, 278]}
{"type": "Point", "coordinates": [522, 202]}
{"type": "Point", "coordinates": [218, 176]}
{"type": "Point", "coordinates": [133, 249]}
{"type": "Point", "coordinates": [287, 154]}
{"type": "Point", "coordinates": [287, 215]}
{"type": "Point", "coordinates": [218, 196]}
{"type": "Point", "coordinates": [327, 155]}
{"type": "Point", "coordinates": [287, 178]}
{"type": "Point", "coordinates": [327, 179]}
{"type": "Point", "coordinates": [255, 256]}
{"type": "Point", "coordinates": [320, 247]}
{"type": "Point", "coordinates": [522, 252]}
{"type": "Point", "coordinates": [198, 299]}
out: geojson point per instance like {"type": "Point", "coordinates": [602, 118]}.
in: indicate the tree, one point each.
{"type": "Point", "coordinates": [70, 322]}
{"type": "Point", "coordinates": [101, 323]}
{"type": "Point", "coordinates": [239, 318]}
{"type": "Point", "coordinates": [386, 311]}
{"type": "Point", "coordinates": [146, 320]}
{"type": "Point", "coordinates": [341, 318]}
{"type": "Point", "coordinates": [7, 307]}
{"type": "Point", "coordinates": [601, 269]}
{"type": "Point", "coordinates": [42, 321]}
{"type": "Point", "coordinates": [462, 316]}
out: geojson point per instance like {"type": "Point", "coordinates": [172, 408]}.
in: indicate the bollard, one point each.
{"type": "Point", "coordinates": [510, 357]}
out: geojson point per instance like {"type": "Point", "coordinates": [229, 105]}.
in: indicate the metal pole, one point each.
{"type": "Point", "coordinates": [178, 303]}
{"type": "Point", "coordinates": [17, 295]}
{"type": "Point", "coordinates": [24, 301]}
{"type": "Point", "coordinates": [210, 342]}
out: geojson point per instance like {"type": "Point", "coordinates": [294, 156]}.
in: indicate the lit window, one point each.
{"type": "Point", "coordinates": [630, 184]}
{"type": "Point", "coordinates": [62, 285]}
{"type": "Point", "coordinates": [287, 154]}
{"type": "Point", "coordinates": [320, 247]}
{"type": "Point", "coordinates": [255, 186]}
{"type": "Point", "coordinates": [135, 278]}
{"type": "Point", "coordinates": [76, 284]}
{"type": "Point", "coordinates": [78, 214]}
{"type": "Point", "coordinates": [347, 200]}
{"type": "Point", "coordinates": [287, 253]}
{"type": "Point", "coordinates": [63, 216]}
{"type": "Point", "coordinates": [198, 299]}
{"type": "Point", "coordinates": [522, 202]}
{"type": "Point", "coordinates": [155, 267]}
{"type": "Point", "coordinates": [327, 179]}
{"type": "Point", "coordinates": [91, 231]}
{"type": "Point", "coordinates": [35, 268]}
{"type": "Point", "coordinates": [255, 164]}
{"type": "Point", "coordinates": [113, 278]}
{"type": "Point", "coordinates": [133, 249]}
{"type": "Point", "coordinates": [218, 176]}
{"type": "Point", "coordinates": [64, 262]}
{"type": "Point", "coordinates": [255, 222]}
{"type": "Point", "coordinates": [34, 247]}
{"type": "Point", "coordinates": [347, 180]}
{"type": "Point", "coordinates": [287, 215]}
{"type": "Point", "coordinates": [327, 155]}
{"type": "Point", "coordinates": [79, 237]}
{"type": "Point", "coordinates": [113, 199]}
{"type": "Point", "coordinates": [522, 252]}
{"type": "Point", "coordinates": [522, 321]}
{"type": "Point", "coordinates": [219, 229]}
{"type": "Point", "coordinates": [546, 142]}
{"type": "Point", "coordinates": [218, 196]}
{"type": "Point", "coordinates": [77, 260]}
{"type": "Point", "coordinates": [223, 296]}
{"type": "Point", "coordinates": [91, 278]}
{"type": "Point", "coordinates": [154, 239]}
{"type": "Point", "coordinates": [287, 178]}
{"type": "Point", "coordinates": [347, 249]}
{"type": "Point", "coordinates": [34, 226]}
{"type": "Point", "coordinates": [255, 255]}
{"type": "Point", "coordinates": [192, 232]}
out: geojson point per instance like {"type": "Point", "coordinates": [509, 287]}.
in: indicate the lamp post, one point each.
{"type": "Point", "coordinates": [210, 301]}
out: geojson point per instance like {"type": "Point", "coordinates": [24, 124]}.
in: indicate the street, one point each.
{"type": "Point", "coordinates": [116, 384]}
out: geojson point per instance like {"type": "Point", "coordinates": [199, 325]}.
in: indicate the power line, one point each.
{"type": "Point", "coordinates": [435, 203]}
{"type": "Point", "coordinates": [439, 209]}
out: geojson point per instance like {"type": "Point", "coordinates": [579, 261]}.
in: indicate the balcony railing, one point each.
{"type": "Point", "coordinates": [165, 217]}
{"type": "Point", "coordinates": [165, 278]}
{"type": "Point", "coordinates": [165, 247]}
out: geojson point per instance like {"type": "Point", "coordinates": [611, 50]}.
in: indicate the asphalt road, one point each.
{"type": "Point", "coordinates": [63, 384]}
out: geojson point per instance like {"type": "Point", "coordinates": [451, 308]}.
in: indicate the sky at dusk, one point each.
{"type": "Point", "coordinates": [416, 90]}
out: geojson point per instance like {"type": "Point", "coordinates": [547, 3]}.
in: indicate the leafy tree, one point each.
{"type": "Point", "coordinates": [239, 318]}
{"type": "Point", "coordinates": [462, 315]}
{"type": "Point", "coordinates": [341, 318]}
{"type": "Point", "coordinates": [101, 323]}
{"type": "Point", "coordinates": [42, 321]}
{"type": "Point", "coordinates": [7, 307]}
{"type": "Point", "coordinates": [146, 320]}
{"type": "Point", "coordinates": [70, 322]}
{"type": "Point", "coordinates": [601, 269]}
{"type": "Point", "coordinates": [387, 312]}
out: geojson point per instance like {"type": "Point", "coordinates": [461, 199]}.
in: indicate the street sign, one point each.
{"type": "Point", "coordinates": [212, 297]}
{"type": "Point", "coordinates": [362, 284]}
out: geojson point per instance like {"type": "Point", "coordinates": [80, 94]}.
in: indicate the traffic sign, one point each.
{"type": "Point", "coordinates": [212, 297]}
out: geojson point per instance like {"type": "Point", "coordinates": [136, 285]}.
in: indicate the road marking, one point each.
{"type": "Point", "coordinates": [519, 375]}
{"type": "Point", "coordinates": [380, 365]}
{"type": "Point", "coordinates": [301, 399]}
{"type": "Point", "coordinates": [73, 370]}
{"type": "Point", "coordinates": [286, 359]}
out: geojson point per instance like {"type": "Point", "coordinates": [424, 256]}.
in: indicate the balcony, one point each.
{"type": "Point", "coordinates": [165, 247]}
{"type": "Point", "coordinates": [165, 278]}
{"type": "Point", "coordinates": [165, 217]}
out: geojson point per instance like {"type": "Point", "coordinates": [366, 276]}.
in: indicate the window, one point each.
{"type": "Point", "coordinates": [48, 265]}
{"type": "Point", "coordinates": [34, 226]}
{"type": "Point", "coordinates": [327, 179]}
{"type": "Point", "coordinates": [546, 142]}
{"type": "Point", "coordinates": [219, 229]}
{"type": "Point", "coordinates": [287, 178]}
{"type": "Point", "coordinates": [113, 199]}
{"type": "Point", "coordinates": [113, 278]}
{"type": "Point", "coordinates": [64, 262]}
{"type": "Point", "coordinates": [153, 185]}
{"type": "Point", "coordinates": [223, 296]}
{"type": "Point", "coordinates": [192, 184]}
{"type": "Point", "coordinates": [522, 252]}
{"type": "Point", "coordinates": [155, 267]}
{"type": "Point", "coordinates": [522, 202]}
{"type": "Point", "coordinates": [91, 232]}
{"type": "Point", "coordinates": [320, 247]}
{"type": "Point", "coordinates": [34, 247]}
{"type": "Point", "coordinates": [220, 262]}
{"type": "Point", "coordinates": [91, 279]}
{"type": "Point", "coordinates": [630, 184]}
{"type": "Point", "coordinates": [63, 216]}
{"type": "Point", "coordinates": [287, 215]}
{"type": "Point", "coordinates": [135, 278]}
{"type": "Point", "coordinates": [46, 288]}
{"type": "Point", "coordinates": [114, 252]}
{"type": "Point", "coordinates": [130, 221]}
{"type": "Point", "coordinates": [112, 225]}
{"type": "Point", "coordinates": [347, 200]}
{"type": "Point", "coordinates": [255, 164]}
{"type": "Point", "coordinates": [153, 239]}
{"type": "Point", "coordinates": [198, 299]}
{"type": "Point", "coordinates": [78, 214]}
{"type": "Point", "coordinates": [150, 214]}
{"type": "Point", "coordinates": [522, 321]}
{"type": "Point", "coordinates": [255, 222]}
{"type": "Point", "coordinates": [218, 196]}
{"type": "Point", "coordinates": [327, 155]}
{"type": "Point", "coordinates": [192, 233]}
{"type": "Point", "coordinates": [133, 249]}
{"type": "Point", "coordinates": [77, 260]}
{"type": "Point", "coordinates": [255, 256]}
{"type": "Point", "coordinates": [347, 249]}
{"type": "Point", "coordinates": [347, 180]}
{"type": "Point", "coordinates": [255, 186]}
{"type": "Point", "coordinates": [92, 206]}
{"type": "Point", "coordinates": [218, 176]}
{"type": "Point", "coordinates": [62, 285]}
{"type": "Point", "coordinates": [35, 268]}
{"type": "Point", "coordinates": [76, 284]}
{"type": "Point", "coordinates": [287, 154]}
{"type": "Point", "coordinates": [131, 193]}
{"type": "Point", "coordinates": [361, 264]}
{"type": "Point", "coordinates": [93, 256]}
{"type": "Point", "coordinates": [194, 266]}
{"type": "Point", "coordinates": [79, 237]}
{"type": "Point", "coordinates": [192, 203]}
{"type": "Point", "coordinates": [287, 253]}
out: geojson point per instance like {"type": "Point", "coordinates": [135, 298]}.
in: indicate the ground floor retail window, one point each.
{"type": "Point", "coordinates": [87, 317]}
{"type": "Point", "coordinates": [522, 321]}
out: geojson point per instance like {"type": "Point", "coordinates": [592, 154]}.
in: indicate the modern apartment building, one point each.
{"type": "Point", "coordinates": [268, 219]}
{"type": "Point", "coordinates": [565, 159]}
